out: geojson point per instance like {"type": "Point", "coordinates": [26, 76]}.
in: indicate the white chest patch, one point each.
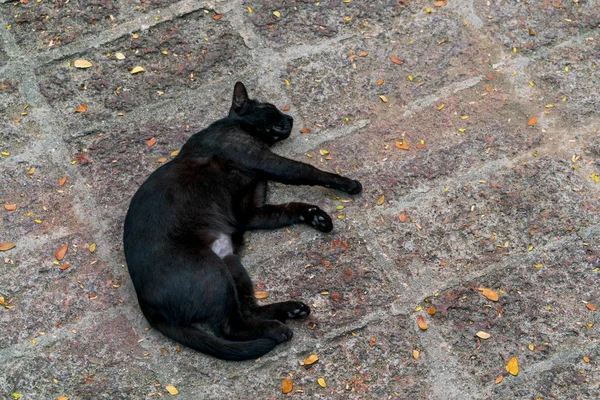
{"type": "Point", "coordinates": [222, 246]}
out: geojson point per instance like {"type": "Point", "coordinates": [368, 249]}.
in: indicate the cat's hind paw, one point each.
{"type": "Point", "coordinates": [317, 218]}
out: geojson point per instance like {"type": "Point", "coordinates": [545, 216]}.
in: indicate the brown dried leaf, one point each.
{"type": "Point", "coordinates": [532, 121]}
{"type": "Point", "coordinates": [483, 335]}
{"type": "Point", "coordinates": [217, 17]}
{"type": "Point", "coordinates": [422, 323]}
{"type": "Point", "coordinates": [162, 160]}
{"type": "Point", "coordinates": [380, 82]}
{"type": "Point", "coordinates": [62, 398]}
{"type": "Point", "coordinates": [396, 60]}
{"type": "Point", "coordinates": [31, 171]}
{"type": "Point", "coordinates": [499, 379]}
{"type": "Point", "coordinates": [363, 54]}
{"type": "Point", "coordinates": [381, 200]}
{"type": "Point", "coordinates": [305, 130]}
{"type": "Point", "coordinates": [10, 207]}
{"type": "Point", "coordinates": [82, 64]}
{"type": "Point", "coordinates": [591, 306]}
{"type": "Point", "coordinates": [63, 180]}
{"type": "Point", "coordinates": [6, 246]}
{"type": "Point", "coordinates": [81, 108]}
{"type": "Point", "coordinates": [531, 32]}
{"type": "Point", "coordinates": [313, 358]}
{"type": "Point", "coordinates": [402, 217]}
{"type": "Point", "coordinates": [60, 253]}
{"type": "Point", "coordinates": [431, 310]}
{"type": "Point", "coordinates": [64, 266]}
{"type": "Point", "coordinates": [440, 3]}
{"type": "Point", "coordinates": [286, 108]}
{"type": "Point", "coordinates": [488, 293]}
{"type": "Point", "coordinates": [287, 385]}
{"type": "Point", "coordinates": [151, 142]}
{"type": "Point", "coordinates": [261, 295]}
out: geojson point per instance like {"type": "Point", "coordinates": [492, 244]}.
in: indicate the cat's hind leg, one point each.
{"type": "Point", "coordinates": [278, 216]}
{"type": "Point", "coordinates": [277, 311]}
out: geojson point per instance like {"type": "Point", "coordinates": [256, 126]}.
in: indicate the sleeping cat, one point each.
{"type": "Point", "coordinates": [185, 226]}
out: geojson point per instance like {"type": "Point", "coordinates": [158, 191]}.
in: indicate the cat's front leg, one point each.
{"type": "Point", "coordinates": [278, 216]}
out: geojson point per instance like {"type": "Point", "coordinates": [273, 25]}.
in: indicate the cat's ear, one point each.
{"type": "Point", "coordinates": [240, 96]}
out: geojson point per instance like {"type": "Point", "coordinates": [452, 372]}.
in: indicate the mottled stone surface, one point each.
{"type": "Point", "coordinates": [480, 199]}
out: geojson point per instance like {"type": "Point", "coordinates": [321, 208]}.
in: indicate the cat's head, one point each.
{"type": "Point", "coordinates": [269, 124]}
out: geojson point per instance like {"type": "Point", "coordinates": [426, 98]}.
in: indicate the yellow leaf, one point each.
{"type": "Point", "coordinates": [82, 64]}
{"type": "Point", "coordinates": [174, 153]}
{"type": "Point", "coordinates": [137, 70]}
{"type": "Point", "coordinates": [531, 347]}
{"type": "Point", "coordinates": [488, 293]}
{"type": "Point", "coordinates": [381, 200]}
{"type": "Point", "coordinates": [538, 266]}
{"type": "Point", "coordinates": [416, 354]}
{"type": "Point", "coordinates": [427, 9]}
{"type": "Point", "coordinates": [513, 366]}
{"type": "Point", "coordinates": [172, 390]}
{"type": "Point", "coordinates": [483, 335]}
{"type": "Point", "coordinates": [383, 98]}
{"type": "Point", "coordinates": [261, 295]}
{"type": "Point", "coordinates": [322, 382]}
{"type": "Point", "coordinates": [92, 247]}
{"type": "Point", "coordinates": [5, 153]}
{"type": "Point", "coordinates": [324, 152]}
{"type": "Point", "coordinates": [16, 396]}
{"type": "Point", "coordinates": [402, 145]}
{"type": "Point", "coordinates": [287, 385]}
{"type": "Point", "coordinates": [277, 14]}
{"type": "Point", "coordinates": [249, 10]}
{"type": "Point", "coordinates": [6, 246]}
{"type": "Point", "coordinates": [313, 358]}
{"type": "Point", "coordinates": [440, 107]}
{"type": "Point", "coordinates": [422, 323]}
{"type": "Point", "coordinates": [287, 82]}
{"type": "Point", "coordinates": [120, 56]}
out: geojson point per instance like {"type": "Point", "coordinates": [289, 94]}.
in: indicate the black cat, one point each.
{"type": "Point", "coordinates": [185, 226]}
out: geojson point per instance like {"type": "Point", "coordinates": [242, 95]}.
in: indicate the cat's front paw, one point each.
{"type": "Point", "coordinates": [295, 310]}
{"type": "Point", "coordinates": [318, 218]}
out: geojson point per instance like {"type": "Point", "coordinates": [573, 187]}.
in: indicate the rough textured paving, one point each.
{"type": "Point", "coordinates": [480, 199]}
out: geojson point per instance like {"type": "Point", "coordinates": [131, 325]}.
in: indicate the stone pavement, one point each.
{"type": "Point", "coordinates": [497, 101]}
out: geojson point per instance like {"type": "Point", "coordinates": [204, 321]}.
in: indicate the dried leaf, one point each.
{"type": "Point", "coordinates": [6, 246]}
{"type": "Point", "coordinates": [286, 108]}
{"type": "Point", "coordinates": [513, 366]}
{"type": "Point", "coordinates": [380, 82]}
{"type": "Point", "coordinates": [31, 171]}
{"type": "Point", "coordinates": [287, 385]}
{"type": "Point", "coordinates": [483, 335]}
{"type": "Point", "coordinates": [363, 54]}
{"type": "Point", "coordinates": [60, 253]}
{"type": "Point", "coordinates": [261, 295]}
{"type": "Point", "coordinates": [63, 180]}
{"type": "Point", "coordinates": [64, 266]}
{"type": "Point", "coordinates": [488, 293]}
{"type": "Point", "coordinates": [324, 152]}
{"type": "Point", "coordinates": [591, 306]}
{"type": "Point", "coordinates": [151, 141]}
{"type": "Point", "coordinates": [313, 358]}
{"type": "Point", "coordinates": [402, 217]}
{"type": "Point", "coordinates": [217, 17]}
{"type": "Point", "coordinates": [431, 310]}
{"type": "Point", "coordinates": [172, 390]}
{"type": "Point", "coordinates": [381, 200]}
{"type": "Point", "coordinates": [62, 398]}
{"type": "Point", "coordinates": [586, 359]}
{"type": "Point", "coordinates": [277, 14]}
{"type": "Point", "coordinates": [321, 382]}
{"type": "Point", "coordinates": [137, 70]}
{"type": "Point", "coordinates": [422, 323]}
{"type": "Point", "coordinates": [162, 160]}
{"type": "Point", "coordinates": [383, 98]}
{"type": "Point", "coordinates": [120, 56]}
{"type": "Point", "coordinates": [82, 64]}
{"type": "Point", "coordinates": [396, 60]}
{"type": "Point", "coordinates": [10, 207]}
{"type": "Point", "coordinates": [416, 354]}
{"type": "Point", "coordinates": [530, 346]}
{"type": "Point", "coordinates": [531, 32]}
{"type": "Point", "coordinates": [440, 3]}
{"type": "Point", "coordinates": [81, 108]}
{"type": "Point", "coordinates": [305, 130]}
{"type": "Point", "coordinates": [532, 121]}
{"type": "Point", "coordinates": [402, 145]}
{"type": "Point", "coordinates": [174, 153]}
{"type": "Point", "coordinates": [92, 247]}
{"type": "Point", "coordinates": [499, 379]}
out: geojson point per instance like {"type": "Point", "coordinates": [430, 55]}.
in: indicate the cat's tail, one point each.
{"type": "Point", "coordinates": [207, 343]}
